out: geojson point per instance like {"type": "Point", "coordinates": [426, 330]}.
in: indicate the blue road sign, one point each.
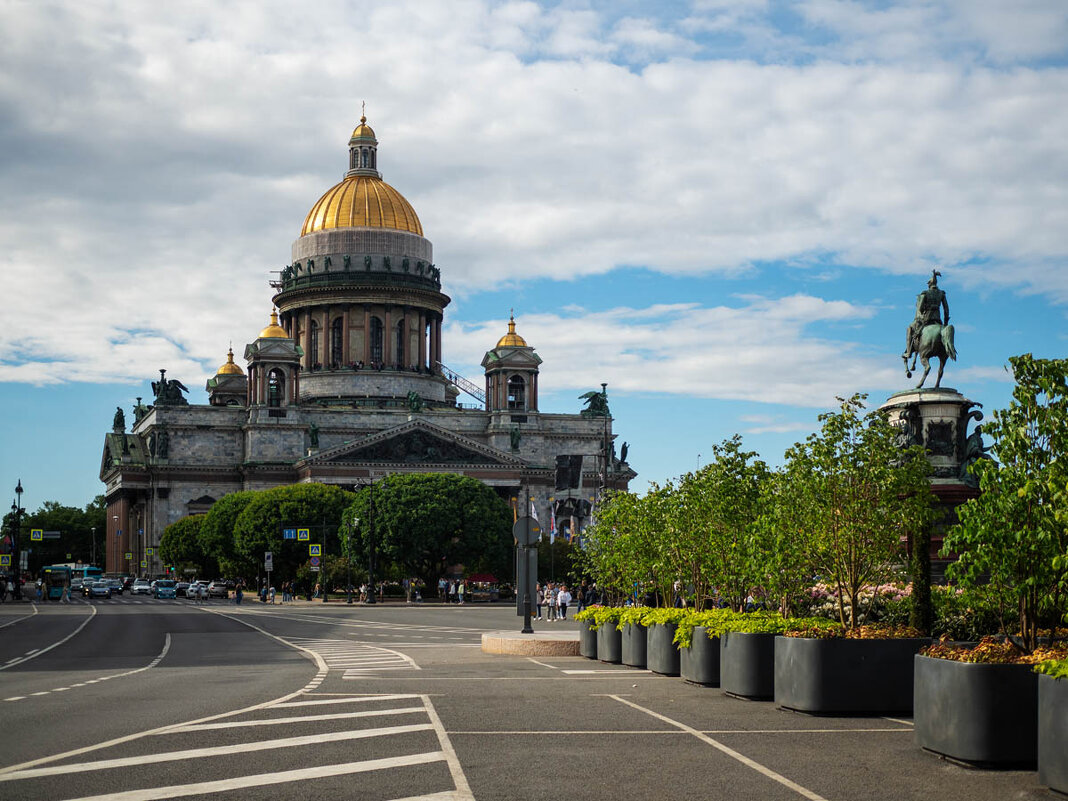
{"type": "Point", "coordinates": [303, 534]}
{"type": "Point", "coordinates": [289, 533]}
{"type": "Point", "coordinates": [315, 550]}
{"type": "Point", "coordinates": [314, 561]}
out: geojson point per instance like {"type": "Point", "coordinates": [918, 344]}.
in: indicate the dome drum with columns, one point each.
{"type": "Point", "coordinates": [346, 384]}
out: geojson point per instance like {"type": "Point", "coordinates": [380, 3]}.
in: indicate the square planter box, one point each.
{"type": "Point", "coordinates": [1053, 733]}
{"type": "Point", "coordinates": [662, 653]}
{"type": "Point", "coordinates": [982, 714]}
{"type": "Point", "coordinates": [700, 663]}
{"type": "Point", "coordinates": [587, 640]}
{"type": "Point", "coordinates": [609, 645]}
{"type": "Point", "coordinates": [845, 677]}
{"type": "Point", "coordinates": [634, 645]}
{"type": "Point", "coordinates": [747, 664]}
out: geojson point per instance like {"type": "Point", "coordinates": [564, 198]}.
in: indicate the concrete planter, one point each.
{"type": "Point", "coordinates": [747, 664]}
{"type": "Point", "coordinates": [663, 654]}
{"type": "Point", "coordinates": [845, 677]}
{"type": "Point", "coordinates": [979, 713]}
{"type": "Point", "coordinates": [1053, 733]}
{"type": "Point", "coordinates": [700, 662]}
{"type": "Point", "coordinates": [634, 645]}
{"type": "Point", "coordinates": [609, 643]}
{"type": "Point", "coordinates": [587, 640]}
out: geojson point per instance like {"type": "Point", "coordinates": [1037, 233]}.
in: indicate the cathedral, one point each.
{"type": "Point", "coordinates": [346, 385]}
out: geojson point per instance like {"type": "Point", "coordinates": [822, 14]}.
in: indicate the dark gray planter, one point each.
{"type": "Point", "coordinates": [1053, 733]}
{"type": "Point", "coordinates": [700, 663]}
{"type": "Point", "coordinates": [587, 640]}
{"type": "Point", "coordinates": [976, 712]}
{"type": "Point", "coordinates": [609, 645]}
{"type": "Point", "coordinates": [845, 677]}
{"type": "Point", "coordinates": [663, 654]}
{"type": "Point", "coordinates": [634, 645]}
{"type": "Point", "coordinates": [747, 664]}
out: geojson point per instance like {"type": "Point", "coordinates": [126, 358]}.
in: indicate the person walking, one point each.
{"type": "Point", "coordinates": [539, 599]}
{"type": "Point", "coordinates": [550, 602]}
{"type": "Point", "coordinates": [563, 598]}
{"type": "Point", "coordinates": [460, 590]}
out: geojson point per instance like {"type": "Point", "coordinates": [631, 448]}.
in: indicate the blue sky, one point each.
{"type": "Point", "coordinates": [724, 210]}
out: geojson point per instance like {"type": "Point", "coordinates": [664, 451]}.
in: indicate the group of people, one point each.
{"type": "Point", "coordinates": [555, 598]}
{"type": "Point", "coordinates": [451, 591]}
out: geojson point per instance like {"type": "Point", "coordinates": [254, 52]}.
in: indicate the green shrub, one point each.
{"type": "Point", "coordinates": [1057, 668]}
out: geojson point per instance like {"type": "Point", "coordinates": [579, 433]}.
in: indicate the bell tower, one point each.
{"type": "Point", "coordinates": [273, 369]}
{"type": "Point", "coordinates": [511, 374]}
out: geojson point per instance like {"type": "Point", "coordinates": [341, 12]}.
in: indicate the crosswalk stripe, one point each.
{"type": "Point", "coordinates": [224, 750]}
{"type": "Point", "coordinates": [263, 779]}
{"type": "Point", "coordinates": [361, 699]}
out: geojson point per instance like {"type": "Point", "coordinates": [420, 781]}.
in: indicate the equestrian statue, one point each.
{"type": "Point", "coordinates": [929, 335]}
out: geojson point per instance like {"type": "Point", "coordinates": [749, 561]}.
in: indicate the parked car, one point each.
{"type": "Point", "coordinates": [219, 589]}
{"type": "Point", "coordinates": [141, 587]}
{"type": "Point", "coordinates": [165, 588]}
{"type": "Point", "coordinates": [99, 589]}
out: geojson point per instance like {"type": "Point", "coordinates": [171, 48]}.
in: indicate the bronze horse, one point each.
{"type": "Point", "coordinates": [935, 341]}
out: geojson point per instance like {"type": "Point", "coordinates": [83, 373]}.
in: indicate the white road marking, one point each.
{"type": "Point", "coordinates": [463, 789]}
{"type": "Point", "coordinates": [222, 750]}
{"type": "Point", "coordinates": [243, 724]}
{"type": "Point", "coordinates": [902, 722]}
{"type": "Point", "coordinates": [37, 652]}
{"type": "Point", "coordinates": [618, 672]}
{"type": "Point", "coordinates": [19, 619]}
{"type": "Point", "coordinates": [263, 779]}
{"type": "Point", "coordinates": [346, 700]}
{"type": "Point", "coordinates": [750, 763]}
{"type": "Point", "coordinates": [15, 698]}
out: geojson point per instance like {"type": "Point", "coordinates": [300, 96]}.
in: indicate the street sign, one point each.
{"type": "Point", "coordinates": [69, 557]}
{"type": "Point", "coordinates": [289, 533]}
{"type": "Point", "coordinates": [303, 534]}
{"type": "Point", "coordinates": [5, 560]}
{"type": "Point", "coordinates": [314, 568]}
{"type": "Point", "coordinates": [129, 556]}
{"type": "Point", "coordinates": [144, 563]}
{"type": "Point", "coordinates": [52, 535]}
{"type": "Point", "coordinates": [526, 531]}
{"type": "Point", "coordinates": [118, 533]}
{"type": "Point", "coordinates": [314, 561]}
{"type": "Point", "coordinates": [150, 551]}
{"type": "Point", "coordinates": [36, 534]}
{"type": "Point", "coordinates": [315, 550]}
{"type": "Point", "coordinates": [268, 560]}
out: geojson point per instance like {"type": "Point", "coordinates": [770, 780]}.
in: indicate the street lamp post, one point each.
{"type": "Point", "coordinates": [348, 557]}
{"type": "Point", "coordinates": [16, 564]}
{"type": "Point", "coordinates": [371, 599]}
{"type": "Point", "coordinates": [92, 545]}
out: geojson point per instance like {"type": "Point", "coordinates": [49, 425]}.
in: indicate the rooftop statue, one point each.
{"type": "Point", "coordinates": [169, 392]}
{"type": "Point", "coordinates": [596, 403]}
{"type": "Point", "coordinates": [929, 335]}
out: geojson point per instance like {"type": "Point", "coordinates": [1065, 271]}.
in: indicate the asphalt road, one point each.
{"type": "Point", "coordinates": [135, 698]}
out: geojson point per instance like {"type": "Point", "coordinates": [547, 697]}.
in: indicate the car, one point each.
{"type": "Point", "coordinates": [141, 587]}
{"type": "Point", "coordinates": [117, 585]}
{"type": "Point", "coordinates": [165, 588]}
{"type": "Point", "coordinates": [99, 589]}
{"type": "Point", "coordinates": [180, 589]}
{"type": "Point", "coordinates": [219, 589]}
{"type": "Point", "coordinates": [76, 586]}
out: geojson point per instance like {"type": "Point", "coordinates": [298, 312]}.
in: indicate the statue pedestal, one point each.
{"type": "Point", "coordinates": [938, 420]}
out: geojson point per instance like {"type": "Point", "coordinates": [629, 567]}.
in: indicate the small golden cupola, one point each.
{"type": "Point", "coordinates": [274, 330]}
{"type": "Point", "coordinates": [230, 368]}
{"type": "Point", "coordinates": [511, 339]}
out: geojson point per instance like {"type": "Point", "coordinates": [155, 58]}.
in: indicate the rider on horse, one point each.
{"type": "Point", "coordinates": [929, 303]}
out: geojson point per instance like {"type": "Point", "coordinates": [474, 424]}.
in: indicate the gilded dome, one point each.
{"type": "Point", "coordinates": [363, 130]}
{"type": "Point", "coordinates": [362, 201]}
{"type": "Point", "coordinates": [274, 330]}
{"type": "Point", "coordinates": [511, 339]}
{"type": "Point", "coordinates": [230, 368]}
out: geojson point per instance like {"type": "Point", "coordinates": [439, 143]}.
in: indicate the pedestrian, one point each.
{"type": "Point", "coordinates": [563, 598]}
{"type": "Point", "coordinates": [443, 588]}
{"type": "Point", "coordinates": [539, 598]}
{"type": "Point", "coordinates": [270, 595]}
{"type": "Point", "coordinates": [238, 594]}
{"type": "Point", "coordinates": [460, 590]}
{"type": "Point", "coordinates": [550, 602]}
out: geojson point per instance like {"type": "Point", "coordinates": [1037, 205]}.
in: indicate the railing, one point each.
{"type": "Point", "coordinates": [465, 385]}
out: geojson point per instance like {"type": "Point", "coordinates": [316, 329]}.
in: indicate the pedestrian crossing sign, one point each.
{"type": "Point", "coordinates": [129, 556]}
{"type": "Point", "coordinates": [315, 550]}
{"type": "Point", "coordinates": [37, 534]}
{"type": "Point", "coordinates": [150, 551]}
{"type": "Point", "coordinates": [5, 560]}
{"type": "Point", "coordinates": [144, 563]}
{"type": "Point", "coordinates": [303, 534]}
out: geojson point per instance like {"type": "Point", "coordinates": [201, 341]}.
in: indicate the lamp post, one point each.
{"type": "Point", "coordinates": [118, 549]}
{"type": "Point", "coordinates": [348, 557]}
{"type": "Point", "coordinates": [371, 599]}
{"type": "Point", "coordinates": [92, 545]}
{"type": "Point", "coordinates": [16, 565]}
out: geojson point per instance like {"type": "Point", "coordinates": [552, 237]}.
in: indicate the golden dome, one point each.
{"type": "Point", "coordinates": [274, 330]}
{"type": "Point", "coordinates": [230, 368]}
{"type": "Point", "coordinates": [362, 201]}
{"type": "Point", "coordinates": [363, 130]}
{"type": "Point", "coordinates": [511, 339]}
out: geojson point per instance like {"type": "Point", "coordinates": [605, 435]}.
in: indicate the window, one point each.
{"type": "Point", "coordinates": [276, 388]}
{"type": "Point", "coordinates": [363, 156]}
{"type": "Point", "coordinates": [399, 352]}
{"type": "Point", "coordinates": [336, 353]}
{"type": "Point", "coordinates": [313, 350]}
{"type": "Point", "coordinates": [376, 341]}
{"type": "Point", "coordinates": [516, 393]}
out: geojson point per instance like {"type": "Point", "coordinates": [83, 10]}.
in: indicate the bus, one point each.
{"type": "Point", "coordinates": [80, 571]}
{"type": "Point", "coordinates": [56, 580]}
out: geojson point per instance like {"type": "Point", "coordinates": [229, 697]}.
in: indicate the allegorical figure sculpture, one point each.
{"type": "Point", "coordinates": [169, 392]}
{"type": "Point", "coordinates": [929, 335]}
{"type": "Point", "coordinates": [596, 403]}
{"type": "Point", "coordinates": [119, 421]}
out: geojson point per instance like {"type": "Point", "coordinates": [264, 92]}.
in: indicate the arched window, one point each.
{"type": "Point", "coordinates": [336, 353]}
{"type": "Point", "coordinates": [376, 341]}
{"type": "Point", "coordinates": [517, 393]}
{"type": "Point", "coordinates": [363, 155]}
{"type": "Point", "coordinates": [313, 350]}
{"type": "Point", "coordinates": [373, 159]}
{"type": "Point", "coordinates": [276, 387]}
{"type": "Point", "coordinates": [399, 352]}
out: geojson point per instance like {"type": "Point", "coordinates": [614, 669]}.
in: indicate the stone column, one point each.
{"type": "Point", "coordinates": [366, 335]}
{"type": "Point", "coordinates": [345, 358]}
{"type": "Point", "coordinates": [387, 337]}
{"type": "Point", "coordinates": [422, 340]}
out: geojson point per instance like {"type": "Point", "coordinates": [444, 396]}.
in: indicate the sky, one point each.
{"type": "Point", "coordinates": [724, 209]}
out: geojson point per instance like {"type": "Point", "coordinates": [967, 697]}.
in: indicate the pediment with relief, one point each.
{"type": "Point", "coordinates": [417, 443]}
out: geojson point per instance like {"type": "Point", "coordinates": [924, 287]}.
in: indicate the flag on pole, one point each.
{"type": "Point", "coordinates": [552, 525]}
{"type": "Point", "coordinates": [533, 510]}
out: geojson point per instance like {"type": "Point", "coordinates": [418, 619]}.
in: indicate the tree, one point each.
{"type": "Point", "coordinates": [78, 528]}
{"type": "Point", "coordinates": [619, 552]}
{"type": "Point", "coordinates": [780, 560]}
{"type": "Point", "coordinates": [1013, 539]}
{"type": "Point", "coordinates": [180, 544]}
{"type": "Point", "coordinates": [217, 535]}
{"type": "Point", "coordinates": [857, 497]}
{"type": "Point", "coordinates": [424, 522]}
{"type": "Point", "coordinates": [317, 507]}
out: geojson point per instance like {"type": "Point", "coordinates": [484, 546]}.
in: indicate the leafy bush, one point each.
{"type": "Point", "coordinates": [1057, 668]}
{"type": "Point", "coordinates": [996, 651]}
{"type": "Point", "coordinates": [598, 616]}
